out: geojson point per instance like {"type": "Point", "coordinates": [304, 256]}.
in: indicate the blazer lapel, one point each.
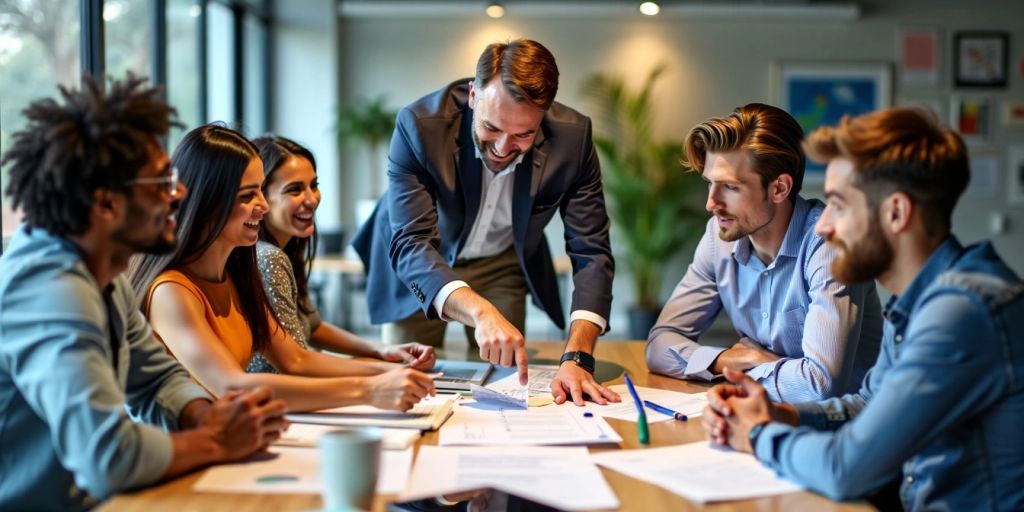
{"type": "Point", "coordinates": [527, 181]}
{"type": "Point", "coordinates": [468, 168]}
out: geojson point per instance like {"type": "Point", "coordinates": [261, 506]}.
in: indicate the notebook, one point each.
{"type": "Point", "coordinates": [460, 375]}
{"type": "Point", "coordinates": [428, 414]}
{"type": "Point", "coordinates": [307, 435]}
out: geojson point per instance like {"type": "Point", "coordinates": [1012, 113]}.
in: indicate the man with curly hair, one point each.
{"type": "Point", "coordinates": [78, 362]}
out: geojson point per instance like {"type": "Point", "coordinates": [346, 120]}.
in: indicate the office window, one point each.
{"type": "Point", "coordinates": [183, 87]}
{"type": "Point", "coordinates": [128, 38]}
{"type": "Point", "coordinates": [39, 50]}
{"type": "Point", "coordinates": [254, 83]}
{"type": "Point", "coordinates": [220, 64]}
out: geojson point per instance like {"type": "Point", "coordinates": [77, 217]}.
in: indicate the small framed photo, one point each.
{"type": "Point", "coordinates": [981, 59]}
{"type": "Point", "coordinates": [1013, 113]}
{"type": "Point", "coordinates": [821, 93]}
{"type": "Point", "coordinates": [971, 116]}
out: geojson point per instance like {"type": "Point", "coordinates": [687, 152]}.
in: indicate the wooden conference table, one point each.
{"type": "Point", "coordinates": [634, 495]}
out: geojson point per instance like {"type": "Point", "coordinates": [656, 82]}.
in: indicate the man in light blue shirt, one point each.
{"type": "Point", "coordinates": [803, 335]}
{"type": "Point", "coordinates": [942, 409]}
{"type": "Point", "coordinates": [76, 355]}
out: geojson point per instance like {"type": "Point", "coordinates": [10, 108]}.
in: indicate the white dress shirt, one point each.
{"type": "Point", "coordinates": [492, 233]}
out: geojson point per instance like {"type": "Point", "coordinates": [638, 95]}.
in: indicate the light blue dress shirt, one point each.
{"type": "Point", "coordinates": [944, 407]}
{"type": "Point", "coordinates": [827, 334]}
{"type": "Point", "coordinates": [66, 438]}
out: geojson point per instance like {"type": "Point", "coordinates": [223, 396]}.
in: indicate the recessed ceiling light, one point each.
{"type": "Point", "coordinates": [495, 10]}
{"type": "Point", "coordinates": [650, 8]}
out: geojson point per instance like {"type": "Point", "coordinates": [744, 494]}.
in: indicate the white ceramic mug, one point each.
{"type": "Point", "coordinates": [349, 463]}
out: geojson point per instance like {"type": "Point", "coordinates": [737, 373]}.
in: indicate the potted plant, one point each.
{"type": "Point", "coordinates": [653, 200]}
{"type": "Point", "coordinates": [371, 124]}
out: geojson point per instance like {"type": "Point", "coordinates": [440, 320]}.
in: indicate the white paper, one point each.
{"type": "Point", "coordinates": [307, 435]}
{"type": "Point", "coordinates": [428, 414]}
{"type": "Point", "coordinates": [698, 471]}
{"type": "Point", "coordinates": [690, 404]}
{"type": "Point", "coordinates": [484, 423]}
{"type": "Point", "coordinates": [539, 380]}
{"type": "Point", "coordinates": [562, 477]}
{"type": "Point", "coordinates": [509, 397]}
{"type": "Point", "coordinates": [290, 470]}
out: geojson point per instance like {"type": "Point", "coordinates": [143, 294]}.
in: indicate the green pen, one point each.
{"type": "Point", "coordinates": [642, 433]}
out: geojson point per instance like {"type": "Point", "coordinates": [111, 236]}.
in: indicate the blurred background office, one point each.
{"type": "Point", "coordinates": [331, 74]}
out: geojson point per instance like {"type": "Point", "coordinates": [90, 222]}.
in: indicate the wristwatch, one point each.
{"type": "Point", "coordinates": [582, 359]}
{"type": "Point", "coordinates": [755, 432]}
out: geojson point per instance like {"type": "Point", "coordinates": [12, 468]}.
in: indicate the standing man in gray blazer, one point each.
{"type": "Point", "coordinates": [476, 171]}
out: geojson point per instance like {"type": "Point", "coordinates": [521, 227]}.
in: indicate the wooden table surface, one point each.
{"type": "Point", "coordinates": [634, 495]}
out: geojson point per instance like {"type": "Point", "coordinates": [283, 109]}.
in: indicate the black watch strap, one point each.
{"type": "Point", "coordinates": [582, 359]}
{"type": "Point", "coordinates": [755, 432]}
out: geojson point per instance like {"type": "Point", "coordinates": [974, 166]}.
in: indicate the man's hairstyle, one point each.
{"type": "Point", "coordinates": [91, 140]}
{"type": "Point", "coordinates": [900, 150]}
{"type": "Point", "coordinates": [275, 152]}
{"type": "Point", "coordinates": [526, 68]}
{"type": "Point", "coordinates": [769, 135]}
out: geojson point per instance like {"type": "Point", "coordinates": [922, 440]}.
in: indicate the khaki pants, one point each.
{"type": "Point", "coordinates": [496, 278]}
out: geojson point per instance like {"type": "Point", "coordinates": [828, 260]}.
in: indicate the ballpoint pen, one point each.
{"type": "Point", "coordinates": [665, 410]}
{"type": "Point", "coordinates": [642, 433]}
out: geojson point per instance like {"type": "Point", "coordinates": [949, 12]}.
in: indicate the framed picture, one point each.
{"type": "Point", "coordinates": [981, 59]}
{"type": "Point", "coordinates": [1013, 113]}
{"type": "Point", "coordinates": [821, 93]}
{"type": "Point", "coordinates": [972, 117]}
{"type": "Point", "coordinates": [919, 56]}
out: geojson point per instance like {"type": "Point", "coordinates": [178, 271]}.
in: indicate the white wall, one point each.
{"type": "Point", "coordinates": [714, 67]}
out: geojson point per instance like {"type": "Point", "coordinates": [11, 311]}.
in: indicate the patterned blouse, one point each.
{"type": "Point", "coordinates": [282, 292]}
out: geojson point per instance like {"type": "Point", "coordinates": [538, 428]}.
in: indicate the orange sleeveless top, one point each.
{"type": "Point", "coordinates": [221, 308]}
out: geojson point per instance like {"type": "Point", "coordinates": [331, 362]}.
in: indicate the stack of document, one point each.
{"type": "Point", "coordinates": [288, 470]}
{"type": "Point", "coordinates": [483, 423]}
{"type": "Point", "coordinates": [690, 404]}
{"type": "Point", "coordinates": [428, 414]}
{"type": "Point", "coordinates": [307, 435]}
{"type": "Point", "coordinates": [505, 387]}
{"type": "Point", "coordinates": [698, 471]}
{"type": "Point", "coordinates": [563, 477]}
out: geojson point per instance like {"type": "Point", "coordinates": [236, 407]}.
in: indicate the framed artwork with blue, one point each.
{"type": "Point", "coordinates": [821, 93]}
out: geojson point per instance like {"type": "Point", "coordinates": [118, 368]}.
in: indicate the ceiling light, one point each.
{"type": "Point", "coordinates": [495, 10]}
{"type": "Point", "coordinates": [649, 8]}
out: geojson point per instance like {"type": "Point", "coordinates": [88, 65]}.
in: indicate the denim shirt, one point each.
{"type": "Point", "coordinates": [943, 408]}
{"type": "Point", "coordinates": [74, 363]}
{"type": "Point", "coordinates": [826, 334]}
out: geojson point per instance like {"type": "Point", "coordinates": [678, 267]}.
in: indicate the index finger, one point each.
{"type": "Point", "coordinates": [521, 369]}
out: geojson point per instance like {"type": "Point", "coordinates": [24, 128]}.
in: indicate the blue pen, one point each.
{"type": "Point", "coordinates": [665, 410]}
{"type": "Point", "coordinates": [642, 433]}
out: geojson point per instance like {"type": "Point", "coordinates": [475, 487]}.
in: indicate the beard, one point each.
{"type": "Point", "coordinates": [485, 154]}
{"type": "Point", "coordinates": [158, 245]}
{"type": "Point", "coordinates": [864, 260]}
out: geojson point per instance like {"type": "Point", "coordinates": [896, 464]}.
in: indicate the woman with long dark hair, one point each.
{"type": "Point", "coordinates": [285, 256]}
{"type": "Point", "coordinates": [205, 300]}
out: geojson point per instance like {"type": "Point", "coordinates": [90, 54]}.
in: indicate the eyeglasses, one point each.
{"type": "Point", "coordinates": [170, 181]}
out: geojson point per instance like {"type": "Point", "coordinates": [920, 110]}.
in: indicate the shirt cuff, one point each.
{"type": "Point", "coordinates": [175, 395]}
{"type": "Point", "coordinates": [764, 450]}
{"type": "Point", "coordinates": [697, 367]}
{"type": "Point", "coordinates": [594, 318]}
{"type": "Point", "coordinates": [442, 297]}
{"type": "Point", "coordinates": [814, 415]}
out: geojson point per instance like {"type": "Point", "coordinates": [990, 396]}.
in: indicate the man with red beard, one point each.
{"type": "Point", "coordinates": [77, 359]}
{"type": "Point", "coordinates": [476, 171]}
{"type": "Point", "coordinates": [942, 409]}
{"type": "Point", "coordinates": [803, 335]}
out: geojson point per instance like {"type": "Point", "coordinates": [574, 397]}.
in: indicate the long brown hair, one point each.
{"type": "Point", "coordinates": [211, 161]}
{"type": "Point", "coordinates": [275, 151]}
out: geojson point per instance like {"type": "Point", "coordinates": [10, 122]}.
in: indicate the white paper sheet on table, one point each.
{"type": "Point", "coordinates": [560, 477]}
{"type": "Point", "coordinates": [484, 423]}
{"type": "Point", "coordinates": [506, 383]}
{"type": "Point", "coordinates": [698, 471]}
{"type": "Point", "coordinates": [307, 434]}
{"type": "Point", "coordinates": [289, 470]}
{"type": "Point", "coordinates": [690, 404]}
